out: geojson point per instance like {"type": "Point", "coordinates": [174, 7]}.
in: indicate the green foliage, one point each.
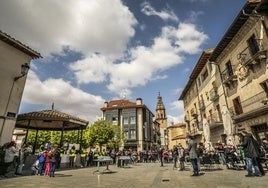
{"type": "Point", "coordinates": [101, 132]}
{"type": "Point", "coordinates": [118, 139]}
{"type": "Point", "coordinates": [55, 136]}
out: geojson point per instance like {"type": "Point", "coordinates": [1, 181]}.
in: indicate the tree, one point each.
{"type": "Point", "coordinates": [101, 132]}
{"type": "Point", "coordinates": [119, 138]}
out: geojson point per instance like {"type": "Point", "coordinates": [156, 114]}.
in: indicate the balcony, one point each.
{"type": "Point", "coordinates": [249, 58]}
{"type": "Point", "coordinates": [229, 77]}
{"type": "Point", "coordinates": [193, 112]}
{"type": "Point", "coordinates": [186, 118]}
{"type": "Point", "coordinates": [194, 132]}
{"type": "Point", "coordinates": [214, 94]}
{"type": "Point", "coordinates": [252, 107]}
{"type": "Point", "coordinates": [202, 105]}
{"type": "Point", "coordinates": [214, 120]}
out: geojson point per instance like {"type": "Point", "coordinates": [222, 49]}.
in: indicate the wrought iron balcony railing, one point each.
{"type": "Point", "coordinates": [249, 57]}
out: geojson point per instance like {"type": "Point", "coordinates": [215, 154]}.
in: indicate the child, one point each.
{"type": "Point", "coordinates": [35, 167]}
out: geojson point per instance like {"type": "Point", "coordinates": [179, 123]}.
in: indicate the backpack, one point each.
{"type": "Point", "coordinates": [41, 158]}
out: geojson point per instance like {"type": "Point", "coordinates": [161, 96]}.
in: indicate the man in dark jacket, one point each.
{"type": "Point", "coordinates": [252, 153]}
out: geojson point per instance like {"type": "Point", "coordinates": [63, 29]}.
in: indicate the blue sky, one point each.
{"type": "Point", "coordinates": [100, 50]}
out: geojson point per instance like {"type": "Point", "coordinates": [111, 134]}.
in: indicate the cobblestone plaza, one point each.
{"type": "Point", "coordinates": [140, 175]}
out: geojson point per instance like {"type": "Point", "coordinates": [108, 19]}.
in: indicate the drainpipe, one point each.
{"type": "Point", "coordinates": [224, 92]}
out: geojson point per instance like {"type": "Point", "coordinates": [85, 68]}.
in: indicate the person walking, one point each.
{"type": "Point", "coordinates": [10, 152]}
{"type": "Point", "coordinates": [25, 151]}
{"type": "Point", "coordinates": [160, 155]}
{"type": "Point", "coordinates": [252, 154]}
{"type": "Point", "coordinates": [181, 156]}
{"type": "Point", "coordinates": [175, 156]}
{"type": "Point", "coordinates": [41, 161]}
{"type": "Point", "coordinates": [47, 155]}
{"type": "Point", "coordinates": [192, 147]}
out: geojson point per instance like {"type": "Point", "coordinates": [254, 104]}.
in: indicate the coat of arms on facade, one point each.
{"type": "Point", "coordinates": [241, 71]}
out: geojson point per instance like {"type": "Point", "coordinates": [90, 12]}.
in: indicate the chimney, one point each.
{"type": "Point", "coordinates": [138, 101]}
{"type": "Point", "coordinates": [105, 104]}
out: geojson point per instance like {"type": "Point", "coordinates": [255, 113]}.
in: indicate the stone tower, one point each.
{"type": "Point", "coordinates": [161, 118]}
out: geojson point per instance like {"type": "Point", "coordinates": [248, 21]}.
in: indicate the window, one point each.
{"type": "Point", "coordinates": [132, 134]}
{"type": "Point", "coordinates": [229, 68]}
{"type": "Point", "coordinates": [237, 106]}
{"type": "Point", "coordinates": [253, 45]}
{"type": "Point", "coordinates": [133, 120]}
{"type": "Point", "coordinates": [125, 120]}
{"type": "Point", "coordinates": [219, 112]}
{"type": "Point", "coordinates": [126, 134]}
{"type": "Point", "coordinates": [199, 82]}
{"type": "Point", "coordinates": [115, 120]}
{"type": "Point", "coordinates": [205, 75]}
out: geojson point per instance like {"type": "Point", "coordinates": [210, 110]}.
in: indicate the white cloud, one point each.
{"type": "Point", "coordinates": [148, 63]}
{"type": "Point", "coordinates": [179, 108]}
{"type": "Point", "coordinates": [66, 98]}
{"type": "Point", "coordinates": [95, 26]}
{"type": "Point", "coordinates": [148, 10]}
{"type": "Point", "coordinates": [144, 64]}
{"type": "Point", "coordinates": [92, 69]}
{"type": "Point", "coordinates": [86, 26]}
{"type": "Point", "coordinates": [189, 39]}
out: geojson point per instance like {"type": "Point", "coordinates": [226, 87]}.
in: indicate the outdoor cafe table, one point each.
{"type": "Point", "coordinates": [123, 160]}
{"type": "Point", "coordinates": [103, 159]}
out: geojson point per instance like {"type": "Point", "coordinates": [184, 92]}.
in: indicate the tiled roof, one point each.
{"type": "Point", "coordinates": [177, 125]}
{"type": "Point", "coordinates": [197, 69]}
{"type": "Point", "coordinates": [50, 120]}
{"type": "Point", "coordinates": [122, 104]}
{"type": "Point", "coordinates": [116, 104]}
{"type": "Point", "coordinates": [17, 44]}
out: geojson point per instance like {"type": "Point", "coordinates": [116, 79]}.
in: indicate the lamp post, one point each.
{"type": "Point", "coordinates": [24, 70]}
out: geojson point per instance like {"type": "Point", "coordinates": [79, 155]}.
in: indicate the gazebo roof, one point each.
{"type": "Point", "coordinates": [50, 120]}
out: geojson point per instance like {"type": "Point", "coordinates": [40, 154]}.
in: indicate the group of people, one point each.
{"type": "Point", "coordinates": [14, 157]}
{"type": "Point", "coordinates": [49, 158]}
{"type": "Point", "coordinates": [250, 150]}
{"type": "Point", "coordinates": [47, 161]}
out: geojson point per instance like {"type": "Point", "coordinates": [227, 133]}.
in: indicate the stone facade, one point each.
{"type": "Point", "coordinates": [161, 118]}
{"type": "Point", "coordinates": [233, 75]}
{"type": "Point", "coordinates": [176, 135]}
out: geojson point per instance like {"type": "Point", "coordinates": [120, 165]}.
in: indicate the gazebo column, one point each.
{"type": "Point", "coordinates": [81, 138]}
{"type": "Point", "coordinates": [35, 141]}
{"type": "Point", "coordinates": [27, 131]}
{"type": "Point", "coordinates": [62, 131]}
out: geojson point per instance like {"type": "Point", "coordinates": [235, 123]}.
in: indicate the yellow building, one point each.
{"type": "Point", "coordinates": [228, 88]}
{"type": "Point", "coordinates": [176, 135]}
{"type": "Point", "coordinates": [241, 57]}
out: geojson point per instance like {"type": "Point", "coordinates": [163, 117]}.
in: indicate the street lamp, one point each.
{"type": "Point", "coordinates": [24, 70]}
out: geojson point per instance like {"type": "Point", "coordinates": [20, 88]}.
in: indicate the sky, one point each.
{"type": "Point", "coordinates": [101, 50]}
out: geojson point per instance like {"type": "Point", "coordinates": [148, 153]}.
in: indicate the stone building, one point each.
{"type": "Point", "coordinates": [135, 119]}
{"type": "Point", "coordinates": [228, 88]}
{"type": "Point", "coordinates": [241, 57]}
{"type": "Point", "coordinates": [15, 59]}
{"type": "Point", "coordinates": [203, 97]}
{"type": "Point", "coordinates": [176, 134]}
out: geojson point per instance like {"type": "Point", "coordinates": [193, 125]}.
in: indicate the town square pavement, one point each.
{"type": "Point", "coordinates": [140, 175]}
